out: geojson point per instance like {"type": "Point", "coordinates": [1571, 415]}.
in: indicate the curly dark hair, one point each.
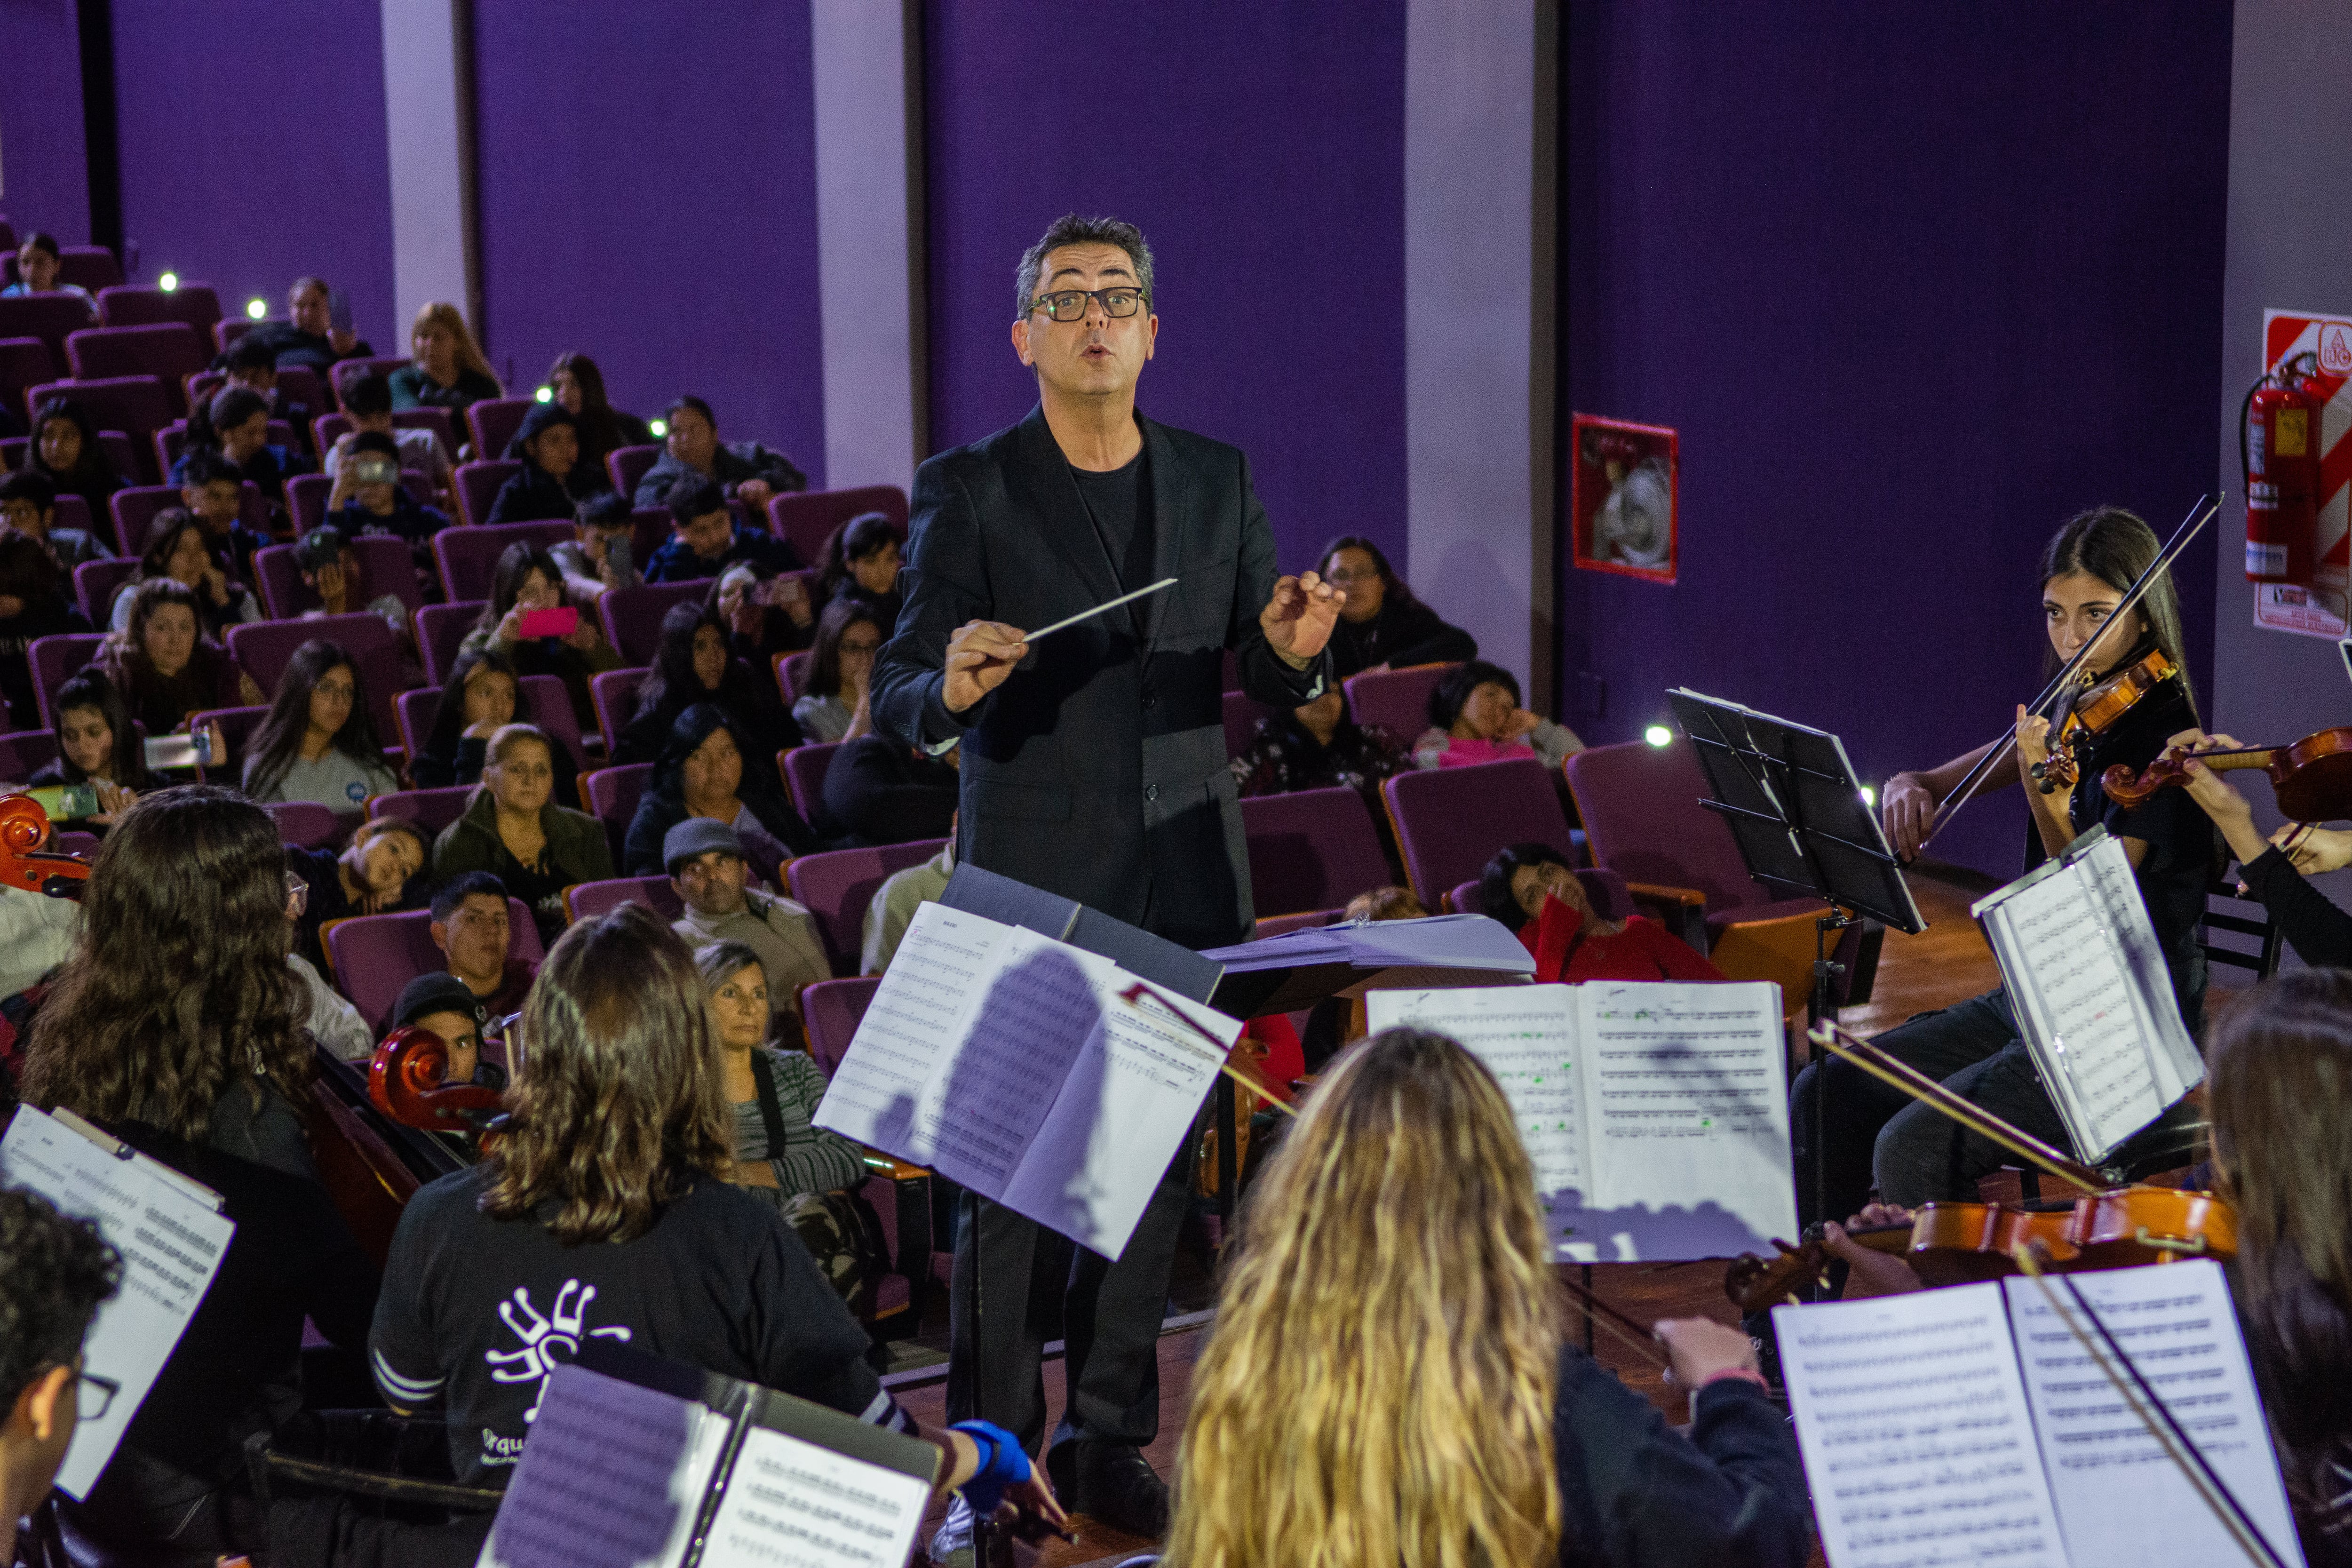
{"type": "Point", "coordinates": [179, 985]}
{"type": "Point", "coordinates": [54, 1272]}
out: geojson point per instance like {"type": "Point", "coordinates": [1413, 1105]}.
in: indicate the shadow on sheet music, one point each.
{"type": "Point", "coordinates": [1639, 1233]}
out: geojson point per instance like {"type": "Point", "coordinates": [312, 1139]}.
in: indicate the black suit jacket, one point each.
{"type": "Point", "coordinates": [1098, 771]}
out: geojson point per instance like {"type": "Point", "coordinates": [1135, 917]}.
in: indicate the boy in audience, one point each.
{"type": "Point", "coordinates": [372, 875]}
{"type": "Point", "coordinates": [705, 861]}
{"type": "Point", "coordinates": [254, 366]}
{"type": "Point", "coordinates": [369, 498]}
{"type": "Point", "coordinates": [896, 901]}
{"type": "Point", "coordinates": [708, 542]}
{"type": "Point", "coordinates": [55, 1273]}
{"type": "Point", "coordinates": [28, 504]}
{"type": "Point", "coordinates": [367, 400]}
{"type": "Point", "coordinates": [309, 337]}
{"type": "Point", "coordinates": [470, 928]}
{"type": "Point", "coordinates": [32, 605]}
{"type": "Point", "coordinates": [212, 488]}
{"type": "Point", "coordinates": [240, 420]}
{"type": "Point", "coordinates": [37, 264]}
{"type": "Point", "coordinates": [445, 1005]}
{"type": "Point", "coordinates": [330, 569]}
{"type": "Point", "coordinates": [590, 567]}
{"type": "Point", "coordinates": [743, 470]}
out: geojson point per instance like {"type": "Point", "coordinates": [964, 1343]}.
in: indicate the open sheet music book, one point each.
{"type": "Point", "coordinates": [642, 1464]}
{"type": "Point", "coordinates": [172, 1236]}
{"type": "Point", "coordinates": [1014, 1064]}
{"type": "Point", "coordinates": [1656, 1112]}
{"type": "Point", "coordinates": [1300, 968]}
{"type": "Point", "coordinates": [1967, 1425]}
{"type": "Point", "coordinates": [2088, 986]}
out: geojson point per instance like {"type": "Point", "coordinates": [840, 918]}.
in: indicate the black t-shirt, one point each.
{"type": "Point", "coordinates": [1119, 503]}
{"type": "Point", "coordinates": [476, 1312]}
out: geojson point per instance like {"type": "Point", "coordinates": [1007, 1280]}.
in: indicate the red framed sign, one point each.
{"type": "Point", "coordinates": [1623, 498]}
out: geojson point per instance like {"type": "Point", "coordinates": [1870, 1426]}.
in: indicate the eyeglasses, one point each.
{"type": "Point", "coordinates": [1070, 304]}
{"type": "Point", "coordinates": [298, 896]}
{"type": "Point", "coordinates": [1343, 577]}
{"type": "Point", "coordinates": [335, 688]}
{"type": "Point", "coordinates": [93, 1395]}
{"type": "Point", "coordinates": [847, 646]}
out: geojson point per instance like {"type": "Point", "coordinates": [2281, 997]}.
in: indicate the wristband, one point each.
{"type": "Point", "coordinates": [1003, 1464]}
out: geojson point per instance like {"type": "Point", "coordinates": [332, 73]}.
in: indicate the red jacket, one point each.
{"type": "Point", "coordinates": [1644, 950]}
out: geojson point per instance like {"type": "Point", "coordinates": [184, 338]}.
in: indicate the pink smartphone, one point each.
{"type": "Point", "coordinates": [560, 621]}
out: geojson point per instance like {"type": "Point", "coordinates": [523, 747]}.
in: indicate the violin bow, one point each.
{"type": "Point", "coordinates": [1137, 994]}
{"type": "Point", "coordinates": [2142, 1401]}
{"type": "Point", "coordinates": [1626, 1330]}
{"type": "Point", "coordinates": [2198, 516]}
{"type": "Point", "coordinates": [1879, 1063]}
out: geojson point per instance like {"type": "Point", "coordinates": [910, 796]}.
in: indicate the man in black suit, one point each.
{"type": "Point", "coordinates": [1094, 766]}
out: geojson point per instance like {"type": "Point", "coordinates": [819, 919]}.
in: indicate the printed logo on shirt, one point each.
{"type": "Point", "coordinates": [356, 792]}
{"type": "Point", "coordinates": [549, 1339]}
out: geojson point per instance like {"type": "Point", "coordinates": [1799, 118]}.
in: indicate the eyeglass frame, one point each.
{"type": "Point", "coordinates": [107, 1389]}
{"type": "Point", "coordinates": [1142, 300]}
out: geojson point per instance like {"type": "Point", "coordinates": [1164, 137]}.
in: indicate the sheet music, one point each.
{"type": "Point", "coordinates": [1916, 1434]}
{"type": "Point", "coordinates": [2121, 1503]}
{"type": "Point", "coordinates": [917, 1012]}
{"type": "Point", "coordinates": [611, 1475]}
{"type": "Point", "coordinates": [171, 1240]}
{"type": "Point", "coordinates": [2135, 937]}
{"type": "Point", "coordinates": [792, 1504]}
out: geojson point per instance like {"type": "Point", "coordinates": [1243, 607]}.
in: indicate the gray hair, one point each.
{"type": "Point", "coordinates": [1072, 229]}
{"type": "Point", "coordinates": [722, 961]}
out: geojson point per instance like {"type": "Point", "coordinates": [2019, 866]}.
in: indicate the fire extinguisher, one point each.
{"type": "Point", "coordinates": [2278, 454]}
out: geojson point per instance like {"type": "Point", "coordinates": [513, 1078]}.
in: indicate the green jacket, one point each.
{"type": "Point", "coordinates": [575, 842]}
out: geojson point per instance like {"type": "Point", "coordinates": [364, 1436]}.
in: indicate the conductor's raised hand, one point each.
{"type": "Point", "coordinates": [1298, 620]}
{"type": "Point", "coordinates": [981, 654]}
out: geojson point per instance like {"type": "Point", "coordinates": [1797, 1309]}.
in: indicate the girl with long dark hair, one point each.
{"type": "Point", "coordinates": [527, 578]}
{"type": "Point", "coordinates": [578, 386]}
{"type": "Point", "coordinates": [98, 746]}
{"type": "Point", "coordinates": [553, 478]}
{"type": "Point", "coordinates": [704, 771]}
{"type": "Point", "coordinates": [318, 741]}
{"type": "Point", "coordinates": [692, 664]}
{"type": "Point", "coordinates": [180, 547]}
{"type": "Point", "coordinates": [64, 447]}
{"type": "Point", "coordinates": [484, 695]}
{"type": "Point", "coordinates": [832, 701]}
{"type": "Point", "coordinates": [861, 561]}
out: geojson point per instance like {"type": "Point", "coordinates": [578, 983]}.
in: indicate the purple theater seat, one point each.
{"type": "Point", "coordinates": [492, 424]}
{"type": "Point", "coordinates": [343, 371]}
{"type": "Point", "coordinates": [301, 384]}
{"type": "Point", "coordinates": [1241, 714]}
{"type": "Point", "coordinates": [1605, 890]}
{"type": "Point", "coordinates": [440, 630]}
{"type": "Point", "coordinates": [791, 673]}
{"type": "Point", "coordinates": [804, 768]}
{"type": "Point", "coordinates": [627, 465]}
{"type": "Point", "coordinates": [543, 702]}
{"type": "Point", "coordinates": [649, 529]}
{"type": "Point", "coordinates": [468, 557]}
{"type": "Point", "coordinates": [633, 617]}
{"type": "Point", "coordinates": [1313, 850]}
{"type": "Point", "coordinates": [592, 901]}
{"type": "Point", "coordinates": [89, 266]}
{"type": "Point", "coordinates": [23, 752]}
{"type": "Point", "coordinates": [25, 363]}
{"type": "Point", "coordinates": [229, 329]}
{"type": "Point", "coordinates": [236, 726]}
{"type": "Point", "coordinates": [96, 581]}
{"type": "Point", "coordinates": [81, 846]}
{"type": "Point", "coordinates": [138, 406]}
{"type": "Point", "coordinates": [831, 1010]}
{"type": "Point", "coordinates": [839, 884]}
{"type": "Point", "coordinates": [264, 649]}
{"type": "Point", "coordinates": [169, 350]}
{"type": "Point", "coordinates": [305, 824]}
{"type": "Point", "coordinates": [1283, 925]}
{"type": "Point", "coordinates": [384, 569]}
{"type": "Point", "coordinates": [306, 501]}
{"type": "Point", "coordinates": [611, 796]}
{"type": "Point", "coordinates": [807, 519]}
{"type": "Point", "coordinates": [48, 317]}
{"type": "Point", "coordinates": [1398, 698]}
{"type": "Point", "coordinates": [56, 660]}
{"type": "Point", "coordinates": [131, 305]}
{"type": "Point", "coordinates": [614, 694]}
{"type": "Point", "coordinates": [430, 809]}
{"type": "Point", "coordinates": [373, 956]}
{"type": "Point", "coordinates": [1450, 821]}
{"type": "Point", "coordinates": [477, 485]}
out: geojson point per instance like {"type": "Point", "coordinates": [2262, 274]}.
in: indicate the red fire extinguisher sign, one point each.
{"type": "Point", "coordinates": [2308, 438]}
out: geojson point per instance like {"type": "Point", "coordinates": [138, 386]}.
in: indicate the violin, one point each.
{"type": "Point", "coordinates": [2311, 778]}
{"type": "Point", "coordinates": [24, 865]}
{"type": "Point", "coordinates": [2096, 710]}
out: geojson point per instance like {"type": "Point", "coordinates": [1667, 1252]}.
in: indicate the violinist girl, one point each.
{"type": "Point", "coordinates": [1871, 1134]}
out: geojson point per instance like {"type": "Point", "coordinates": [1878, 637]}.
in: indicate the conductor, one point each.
{"type": "Point", "coordinates": [1094, 766]}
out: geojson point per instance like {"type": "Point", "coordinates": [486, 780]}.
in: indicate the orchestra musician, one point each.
{"type": "Point", "coordinates": [2273, 868]}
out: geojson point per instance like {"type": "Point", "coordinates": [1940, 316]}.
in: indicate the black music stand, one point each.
{"type": "Point", "coordinates": [1796, 810]}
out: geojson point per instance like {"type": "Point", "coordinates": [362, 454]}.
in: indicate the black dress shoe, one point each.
{"type": "Point", "coordinates": [1112, 1482]}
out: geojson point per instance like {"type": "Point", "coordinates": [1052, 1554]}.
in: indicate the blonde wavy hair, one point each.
{"type": "Point", "coordinates": [449, 319]}
{"type": "Point", "coordinates": [1379, 1386]}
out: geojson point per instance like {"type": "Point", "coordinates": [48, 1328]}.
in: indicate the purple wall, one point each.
{"type": "Point", "coordinates": [253, 151]}
{"type": "Point", "coordinates": [1914, 286]}
{"type": "Point", "coordinates": [1260, 152]}
{"type": "Point", "coordinates": [47, 182]}
{"type": "Point", "coordinates": [648, 197]}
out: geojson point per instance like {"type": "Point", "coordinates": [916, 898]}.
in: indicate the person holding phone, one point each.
{"type": "Point", "coordinates": [314, 334]}
{"type": "Point", "coordinates": [98, 752]}
{"type": "Point", "coordinates": [369, 498]}
{"type": "Point", "coordinates": [602, 553]}
{"type": "Point", "coordinates": [764, 616]}
{"type": "Point", "coordinates": [528, 621]}
{"type": "Point", "coordinates": [367, 403]}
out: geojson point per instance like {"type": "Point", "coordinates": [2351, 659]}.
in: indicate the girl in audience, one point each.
{"type": "Point", "coordinates": [65, 449]}
{"type": "Point", "coordinates": [526, 579]}
{"type": "Point", "coordinates": [701, 773]}
{"type": "Point", "coordinates": [483, 695]}
{"type": "Point", "coordinates": [318, 743]}
{"type": "Point", "coordinates": [1317, 746]}
{"type": "Point", "coordinates": [861, 561]}
{"type": "Point", "coordinates": [691, 664]}
{"type": "Point", "coordinates": [1533, 890]}
{"type": "Point", "coordinates": [182, 549]}
{"type": "Point", "coordinates": [97, 746]}
{"type": "Point", "coordinates": [757, 629]}
{"type": "Point", "coordinates": [834, 705]}
{"type": "Point", "coordinates": [164, 665]}
{"type": "Point", "coordinates": [1382, 624]}
{"type": "Point", "coordinates": [1389, 1380]}
{"type": "Point", "coordinates": [553, 479]}
{"type": "Point", "coordinates": [178, 1026]}
{"type": "Point", "coordinates": [579, 388]}
{"type": "Point", "coordinates": [32, 604]}
{"type": "Point", "coordinates": [447, 370]}
{"type": "Point", "coordinates": [376, 871]}
{"type": "Point", "coordinates": [609, 1198]}
{"type": "Point", "coordinates": [515, 831]}
{"type": "Point", "coordinates": [1474, 717]}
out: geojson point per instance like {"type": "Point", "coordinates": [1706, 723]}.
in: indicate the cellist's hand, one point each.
{"type": "Point", "coordinates": [1908, 811]}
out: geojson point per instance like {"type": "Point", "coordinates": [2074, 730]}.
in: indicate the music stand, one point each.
{"type": "Point", "coordinates": [1795, 808]}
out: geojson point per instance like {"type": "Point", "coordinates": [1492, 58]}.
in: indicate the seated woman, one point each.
{"type": "Point", "coordinates": [516, 832]}
{"type": "Point", "coordinates": [1532, 890]}
{"type": "Point", "coordinates": [861, 561]}
{"type": "Point", "coordinates": [879, 790]}
{"type": "Point", "coordinates": [97, 746]}
{"type": "Point", "coordinates": [178, 1026]}
{"type": "Point", "coordinates": [608, 1205]}
{"type": "Point", "coordinates": [691, 664]}
{"type": "Point", "coordinates": [482, 696]}
{"type": "Point", "coordinates": [181, 548]}
{"type": "Point", "coordinates": [765, 615]}
{"type": "Point", "coordinates": [165, 667]}
{"type": "Point", "coordinates": [701, 773]}
{"type": "Point", "coordinates": [547, 445]}
{"type": "Point", "coordinates": [447, 370]}
{"type": "Point", "coordinates": [1407, 1385]}
{"type": "Point", "coordinates": [235, 424]}
{"type": "Point", "coordinates": [1318, 746]}
{"type": "Point", "coordinates": [833, 704]}
{"type": "Point", "coordinates": [579, 388]}
{"type": "Point", "coordinates": [378, 871]}
{"type": "Point", "coordinates": [526, 579]}
{"type": "Point", "coordinates": [1382, 624]}
{"type": "Point", "coordinates": [318, 743]}
{"type": "Point", "coordinates": [33, 604]}
{"type": "Point", "coordinates": [65, 450]}
{"type": "Point", "coordinates": [1474, 717]}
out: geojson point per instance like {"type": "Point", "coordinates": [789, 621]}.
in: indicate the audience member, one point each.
{"type": "Point", "coordinates": [471, 926]}
{"type": "Point", "coordinates": [367, 402]}
{"type": "Point", "coordinates": [691, 664]}
{"type": "Point", "coordinates": [329, 1016]}
{"type": "Point", "coordinates": [1430, 1347]}
{"type": "Point", "coordinates": [1330, 1022]}
{"type": "Point", "coordinates": [706, 540]}
{"type": "Point", "coordinates": [446, 1007]}
{"type": "Point", "coordinates": [32, 604]}
{"type": "Point", "coordinates": [446, 370]}
{"type": "Point", "coordinates": [515, 831]}
{"type": "Point", "coordinates": [833, 705]}
{"type": "Point", "coordinates": [743, 470]}
{"type": "Point", "coordinates": [765, 617]}
{"type": "Point", "coordinates": [1319, 745]}
{"type": "Point", "coordinates": [318, 743]}
{"type": "Point", "coordinates": [482, 696]}
{"type": "Point", "coordinates": [38, 262]}
{"type": "Point", "coordinates": [1533, 890]}
{"type": "Point", "coordinates": [98, 746]}
{"type": "Point", "coordinates": [213, 488]}
{"type": "Point", "coordinates": [879, 790]}
{"type": "Point", "coordinates": [251, 365]}
{"type": "Point", "coordinates": [332, 570]}
{"type": "Point", "coordinates": [1474, 717]}
{"type": "Point", "coordinates": [181, 548]}
{"type": "Point", "coordinates": [600, 556]}
{"type": "Point", "coordinates": [28, 504]}
{"type": "Point", "coordinates": [307, 338]}
{"type": "Point", "coordinates": [369, 498]}
{"type": "Point", "coordinates": [235, 425]}
{"type": "Point", "coordinates": [553, 477]}
{"type": "Point", "coordinates": [37, 934]}
{"type": "Point", "coordinates": [893, 908]}
{"type": "Point", "coordinates": [178, 1026]}
{"type": "Point", "coordinates": [65, 450]}
{"type": "Point", "coordinates": [376, 872]}
{"type": "Point", "coordinates": [525, 579]}
{"type": "Point", "coordinates": [706, 865]}
{"type": "Point", "coordinates": [55, 1273]}
{"type": "Point", "coordinates": [579, 389]}
{"type": "Point", "coordinates": [1382, 624]}
{"type": "Point", "coordinates": [861, 561]}
{"type": "Point", "coordinates": [701, 773]}
{"type": "Point", "coordinates": [163, 666]}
